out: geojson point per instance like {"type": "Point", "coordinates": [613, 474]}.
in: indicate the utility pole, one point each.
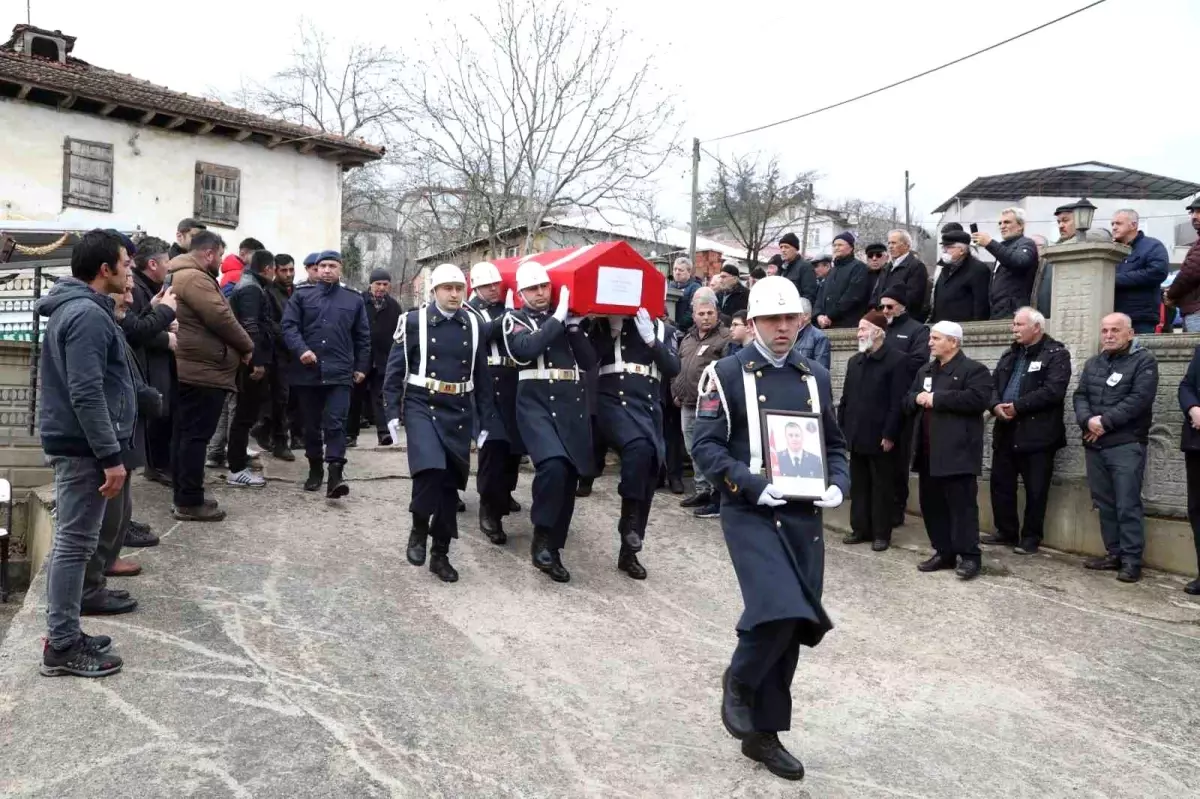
{"type": "Point", "coordinates": [808, 208]}
{"type": "Point", "coordinates": [695, 198]}
{"type": "Point", "coordinates": [908, 187]}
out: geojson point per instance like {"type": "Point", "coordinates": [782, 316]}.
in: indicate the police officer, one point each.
{"type": "Point", "coordinates": [500, 455]}
{"type": "Point", "coordinates": [325, 327]}
{"type": "Point", "coordinates": [436, 365]}
{"type": "Point", "coordinates": [776, 543]}
{"type": "Point", "coordinates": [635, 356]}
{"type": "Point", "coordinates": [552, 418]}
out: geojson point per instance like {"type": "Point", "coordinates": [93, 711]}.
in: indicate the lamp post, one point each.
{"type": "Point", "coordinates": [1084, 212]}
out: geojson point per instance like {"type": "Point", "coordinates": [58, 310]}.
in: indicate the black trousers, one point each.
{"type": "Point", "coordinates": [369, 395]}
{"type": "Point", "coordinates": [872, 494]}
{"type": "Point", "coordinates": [274, 411]}
{"type": "Point", "coordinates": [117, 513]}
{"type": "Point", "coordinates": [1191, 462]}
{"type": "Point", "coordinates": [293, 413]}
{"type": "Point", "coordinates": [673, 437]}
{"type": "Point", "coordinates": [158, 441]}
{"type": "Point", "coordinates": [252, 394]}
{"type": "Point", "coordinates": [324, 409]}
{"type": "Point", "coordinates": [951, 509]}
{"type": "Point", "coordinates": [903, 467]}
{"type": "Point", "coordinates": [599, 447]}
{"type": "Point", "coordinates": [1036, 469]}
{"type": "Point", "coordinates": [497, 476]}
{"type": "Point", "coordinates": [639, 470]}
{"type": "Point", "coordinates": [554, 485]}
{"type": "Point", "coordinates": [435, 497]}
{"type": "Point", "coordinates": [765, 660]}
{"type": "Point", "coordinates": [196, 417]}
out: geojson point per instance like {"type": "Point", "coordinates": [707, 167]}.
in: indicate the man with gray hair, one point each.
{"type": "Point", "coordinates": [683, 281]}
{"type": "Point", "coordinates": [903, 273]}
{"type": "Point", "coordinates": [1138, 293]}
{"type": "Point", "coordinates": [1028, 393]}
{"type": "Point", "coordinates": [812, 342]}
{"type": "Point", "coordinates": [1016, 264]}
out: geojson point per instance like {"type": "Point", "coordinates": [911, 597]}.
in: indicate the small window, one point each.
{"type": "Point", "coordinates": [87, 174]}
{"type": "Point", "coordinates": [511, 252]}
{"type": "Point", "coordinates": [370, 244]}
{"type": "Point", "coordinates": [218, 194]}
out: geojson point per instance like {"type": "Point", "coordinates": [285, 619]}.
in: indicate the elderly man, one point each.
{"type": "Point", "coordinates": [846, 291]}
{"type": "Point", "coordinates": [793, 266]}
{"type": "Point", "coordinates": [812, 341]}
{"type": "Point", "coordinates": [1029, 390]}
{"type": "Point", "coordinates": [871, 417]}
{"type": "Point", "coordinates": [903, 273]}
{"type": "Point", "coordinates": [683, 281]}
{"type": "Point", "coordinates": [733, 296]}
{"type": "Point", "coordinates": [911, 338]}
{"type": "Point", "coordinates": [876, 254]}
{"type": "Point", "coordinates": [949, 397]}
{"type": "Point", "coordinates": [155, 353]}
{"type": "Point", "coordinates": [383, 316]}
{"type": "Point", "coordinates": [1016, 264]}
{"type": "Point", "coordinates": [1184, 292]}
{"type": "Point", "coordinates": [1114, 407]}
{"type": "Point", "coordinates": [706, 343]}
{"type": "Point", "coordinates": [961, 291]}
{"type": "Point", "coordinates": [1140, 276]}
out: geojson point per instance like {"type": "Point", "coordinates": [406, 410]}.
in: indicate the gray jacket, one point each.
{"type": "Point", "coordinates": [814, 345]}
{"type": "Point", "coordinates": [89, 403]}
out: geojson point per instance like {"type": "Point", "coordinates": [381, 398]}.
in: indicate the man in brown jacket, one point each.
{"type": "Point", "coordinates": [1184, 292]}
{"type": "Point", "coordinates": [209, 345]}
{"type": "Point", "coordinates": [707, 341]}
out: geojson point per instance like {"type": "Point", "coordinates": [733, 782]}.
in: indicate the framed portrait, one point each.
{"type": "Point", "coordinates": [794, 453]}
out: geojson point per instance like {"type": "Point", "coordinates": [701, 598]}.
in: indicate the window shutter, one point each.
{"type": "Point", "coordinates": [217, 197]}
{"type": "Point", "coordinates": [87, 174]}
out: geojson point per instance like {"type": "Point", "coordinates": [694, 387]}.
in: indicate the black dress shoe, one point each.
{"type": "Point", "coordinates": [737, 712]}
{"type": "Point", "coordinates": [492, 526]}
{"type": "Point", "coordinates": [968, 569]}
{"type": "Point", "coordinates": [117, 593]}
{"type": "Point", "coordinates": [765, 748]}
{"type": "Point", "coordinates": [440, 566]}
{"type": "Point", "coordinates": [140, 535]}
{"type": "Point", "coordinates": [316, 475]}
{"type": "Point", "coordinates": [880, 545]}
{"type": "Point", "coordinates": [936, 563]}
{"type": "Point", "coordinates": [1105, 563]}
{"type": "Point", "coordinates": [696, 500]}
{"type": "Point", "coordinates": [628, 562]}
{"type": "Point", "coordinates": [108, 605]}
{"type": "Point", "coordinates": [282, 453]}
{"type": "Point", "coordinates": [584, 489]}
{"type": "Point", "coordinates": [417, 539]}
{"type": "Point", "coordinates": [157, 476]}
{"type": "Point", "coordinates": [1193, 587]}
{"type": "Point", "coordinates": [855, 538]}
{"type": "Point", "coordinates": [1129, 573]}
{"type": "Point", "coordinates": [997, 540]}
{"type": "Point", "coordinates": [352, 442]}
{"type": "Point", "coordinates": [337, 486]}
{"type": "Point", "coordinates": [676, 485]}
{"type": "Point", "coordinates": [539, 551]}
{"type": "Point", "coordinates": [513, 506]}
{"type": "Point", "coordinates": [627, 525]}
{"type": "Point", "coordinates": [385, 440]}
{"type": "Point", "coordinates": [557, 571]}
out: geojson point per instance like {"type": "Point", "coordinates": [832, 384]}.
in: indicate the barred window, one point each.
{"type": "Point", "coordinates": [218, 194]}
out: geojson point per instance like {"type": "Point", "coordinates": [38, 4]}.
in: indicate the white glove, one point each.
{"type": "Point", "coordinates": [394, 429]}
{"type": "Point", "coordinates": [560, 312]}
{"type": "Point", "coordinates": [773, 497]}
{"type": "Point", "coordinates": [832, 498]}
{"type": "Point", "coordinates": [483, 436]}
{"type": "Point", "coordinates": [509, 303]}
{"type": "Point", "coordinates": [645, 325]}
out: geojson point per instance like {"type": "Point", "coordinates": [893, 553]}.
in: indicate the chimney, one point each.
{"type": "Point", "coordinates": [40, 43]}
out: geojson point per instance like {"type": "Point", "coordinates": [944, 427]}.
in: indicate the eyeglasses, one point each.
{"type": "Point", "coordinates": [886, 306]}
{"type": "Point", "coordinates": [876, 255]}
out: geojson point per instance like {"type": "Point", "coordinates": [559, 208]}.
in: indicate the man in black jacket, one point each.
{"type": "Point", "coordinates": [961, 291]}
{"type": "Point", "coordinates": [871, 418]}
{"type": "Point", "coordinates": [183, 236]}
{"type": "Point", "coordinates": [733, 295]}
{"type": "Point", "coordinates": [904, 273]}
{"type": "Point", "coordinates": [911, 338]}
{"type": "Point", "coordinates": [822, 264]}
{"type": "Point", "coordinates": [151, 333]}
{"type": "Point", "coordinates": [383, 315]}
{"type": "Point", "coordinates": [1114, 406]}
{"type": "Point", "coordinates": [949, 397]}
{"type": "Point", "coordinates": [1189, 442]}
{"type": "Point", "coordinates": [256, 313]}
{"type": "Point", "coordinates": [876, 254]}
{"type": "Point", "coordinates": [1016, 264]}
{"type": "Point", "coordinates": [1029, 390]}
{"type": "Point", "coordinates": [795, 268]}
{"type": "Point", "coordinates": [275, 421]}
{"type": "Point", "coordinates": [846, 290]}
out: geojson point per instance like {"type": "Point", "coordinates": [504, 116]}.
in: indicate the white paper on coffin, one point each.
{"type": "Point", "coordinates": [616, 286]}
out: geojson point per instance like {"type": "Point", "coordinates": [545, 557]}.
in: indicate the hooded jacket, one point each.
{"type": "Point", "coordinates": [231, 273]}
{"type": "Point", "coordinates": [210, 342]}
{"type": "Point", "coordinates": [89, 403]}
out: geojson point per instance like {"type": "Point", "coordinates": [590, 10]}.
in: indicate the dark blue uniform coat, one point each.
{"type": "Point", "coordinates": [504, 378]}
{"type": "Point", "coordinates": [439, 425]}
{"type": "Point", "coordinates": [551, 415]}
{"type": "Point", "coordinates": [778, 553]}
{"type": "Point", "coordinates": [330, 320]}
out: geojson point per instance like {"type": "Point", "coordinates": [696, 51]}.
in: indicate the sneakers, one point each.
{"type": "Point", "coordinates": [201, 513]}
{"type": "Point", "coordinates": [710, 511]}
{"type": "Point", "coordinates": [140, 535]}
{"type": "Point", "coordinates": [245, 479]}
{"type": "Point", "coordinates": [83, 659]}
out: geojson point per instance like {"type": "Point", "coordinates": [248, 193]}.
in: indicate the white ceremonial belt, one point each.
{"type": "Point", "coordinates": [630, 368]}
{"type": "Point", "coordinates": [548, 374]}
{"type": "Point", "coordinates": [441, 387]}
{"type": "Point", "coordinates": [500, 360]}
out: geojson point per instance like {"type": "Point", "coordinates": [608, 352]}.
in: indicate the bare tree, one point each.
{"type": "Point", "coordinates": [871, 221]}
{"type": "Point", "coordinates": [533, 111]}
{"type": "Point", "coordinates": [755, 202]}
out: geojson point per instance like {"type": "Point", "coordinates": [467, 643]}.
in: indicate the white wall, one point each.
{"type": "Point", "coordinates": [290, 202]}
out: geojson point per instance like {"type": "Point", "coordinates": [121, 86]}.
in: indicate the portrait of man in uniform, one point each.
{"type": "Point", "coordinates": [797, 462]}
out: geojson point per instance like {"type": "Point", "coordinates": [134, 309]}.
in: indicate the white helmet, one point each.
{"type": "Point", "coordinates": [484, 273]}
{"type": "Point", "coordinates": [773, 295]}
{"type": "Point", "coordinates": [530, 274]}
{"type": "Point", "coordinates": [446, 273]}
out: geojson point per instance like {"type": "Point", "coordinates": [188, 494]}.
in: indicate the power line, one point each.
{"type": "Point", "coordinates": [914, 77]}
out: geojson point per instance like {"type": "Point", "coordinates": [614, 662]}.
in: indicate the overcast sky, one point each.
{"type": "Point", "coordinates": [1116, 83]}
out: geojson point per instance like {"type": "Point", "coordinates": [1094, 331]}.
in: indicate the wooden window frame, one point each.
{"type": "Point", "coordinates": [78, 199]}
{"type": "Point", "coordinates": [204, 170]}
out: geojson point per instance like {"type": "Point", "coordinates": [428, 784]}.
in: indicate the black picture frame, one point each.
{"type": "Point", "coordinates": [812, 480]}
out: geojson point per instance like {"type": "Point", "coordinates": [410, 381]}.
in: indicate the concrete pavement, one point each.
{"type": "Point", "coordinates": [291, 651]}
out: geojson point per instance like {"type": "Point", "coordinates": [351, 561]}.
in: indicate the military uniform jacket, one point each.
{"type": "Point", "coordinates": [778, 553]}
{"type": "Point", "coordinates": [503, 370]}
{"type": "Point", "coordinates": [439, 406]}
{"type": "Point", "coordinates": [551, 412]}
{"type": "Point", "coordinates": [331, 321]}
{"type": "Point", "coordinates": [629, 389]}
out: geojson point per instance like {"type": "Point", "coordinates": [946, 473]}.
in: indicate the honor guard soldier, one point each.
{"type": "Point", "coordinates": [500, 455]}
{"type": "Point", "coordinates": [433, 370]}
{"type": "Point", "coordinates": [552, 417]}
{"type": "Point", "coordinates": [776, 543]}
{"type": "Point", "coordinates": [635, 356]}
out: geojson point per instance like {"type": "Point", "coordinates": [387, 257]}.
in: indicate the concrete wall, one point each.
{"type": "Point", "coordinates": [291, 202]}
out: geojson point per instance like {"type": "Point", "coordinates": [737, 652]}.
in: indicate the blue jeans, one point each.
{"type": "Point", "coordinates": [79, 513]}
{"type": "Point", "coordinates": [1115, 479]}
{"type": "Point", "coordinates": [689, 427]}
{"type": "Point", "coordinates": [324, 409]}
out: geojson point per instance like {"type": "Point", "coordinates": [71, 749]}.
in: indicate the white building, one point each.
{"type": "Point", "coordinates": [84, 146]}
{"type": "Point", "coordinates": [1158, 200]}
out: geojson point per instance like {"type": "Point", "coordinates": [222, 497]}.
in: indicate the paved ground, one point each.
{"type": "Point", "coordinates": [292, 652]}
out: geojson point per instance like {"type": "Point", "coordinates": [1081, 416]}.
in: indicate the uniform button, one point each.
{"type": "Point", "coordinates": [554, 414]}
{"type": "Point", "coordinates": [433, 340]}
{"type": "Point", "coordinates": [620, 377]}
{"type": "Point", "coordinates": [552, 399]}
{"type": "Point", "coordinates": [762, 398]}
{"type": "Point", "coordinates": [460, 427]}
{"type": "Point", "coordinates": [622, 393]}
{"type": "Point", "coordinates": [464, 363]}
{"type": "Point", "coordinates": [779, 524]}
{"type": "Point", "coordinates": [433, 357]}
{"type": "Point", "coordinates": [623, 402]}
{"type": "Point", "coordinates": [758, 374]}
{"type": "Point", "coordinates": [433, 374]}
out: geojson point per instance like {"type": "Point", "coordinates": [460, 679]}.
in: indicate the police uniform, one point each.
{"type": "Point", "coordinates": [552, 421]}
{"type": "Point", "coordinates": [500, 455]}
{"type": "Point", "coordinates": [777, 552]}
{"type": "Point", "coordinates": [630, 417]}
{"type": "Point", "coordinates": [433, 371]}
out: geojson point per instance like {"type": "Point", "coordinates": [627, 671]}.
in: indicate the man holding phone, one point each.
{"type": "Point", "coordinates": [1016, 263]}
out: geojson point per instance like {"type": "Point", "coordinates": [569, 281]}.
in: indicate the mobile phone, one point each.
{"type": "Point", "coordinates": [974, 228]}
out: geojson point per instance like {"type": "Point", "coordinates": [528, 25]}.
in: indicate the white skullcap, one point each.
{"type": "Point", "coordinates": [951, 329]}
